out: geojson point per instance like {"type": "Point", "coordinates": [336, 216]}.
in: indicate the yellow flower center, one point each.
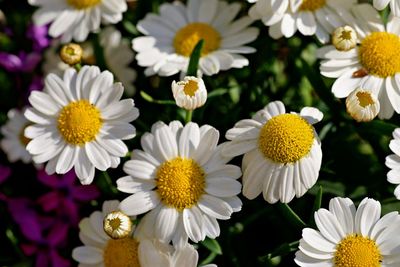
{"type": "Point", "coordinates": [180, 183]}
{"type": "Point", "coordinates": [79, 122]}
{"type": "Point", "coordinates": [286, 138]}
{"type": "Point", "coordinates": [186, 39]}
{"type": "Point", "coordinates": [357, 251]}
{"type": "Point", "coordinates": [190, 87]}
{"type": "Point", "coordinates": [364, 98]}
{"type": "Point", "coordinates": [24, 140]}
{"type": "Point", "coordinates": [312, 5]}
{"type": "Point", "coordinates": [121, 253]}
{"type": "Point", "coordinates": [379, 54]}
{"type": "Point", "coordinates": [83, 4]}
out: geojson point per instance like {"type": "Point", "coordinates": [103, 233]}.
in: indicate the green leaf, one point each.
{"type": "Point", "coordinates": [317, 204]}
{"type": "Point", "coordinates": [292, 216]}
{"type": "Point", "coordinates": [212, 245]}
{"type": "Point", "coordinates": [217, 92]}
{"type": "Point", "coordinates": [194, 59]}
{"type": "Point", "coordinates": [282, 250]}
{"type": "Point", "coordinates": [150, 99]}
{"type": "Point", "coordinates": [130, 27]}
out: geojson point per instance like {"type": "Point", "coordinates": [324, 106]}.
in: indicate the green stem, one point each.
{"type": "Point", "coordinates": [78, 67]}
{"type": "Point", "coordinates": [109, 182]}
{"type": "Point", "coordinates": [292, 216]}
{"type": "Point", "coordinates": [189, 114]}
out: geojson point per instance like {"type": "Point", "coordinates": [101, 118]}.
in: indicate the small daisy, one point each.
{"type": "Point", "coordinates": [394, 6]}
{"type": "Point", "coordinates": [285, 17]}
{"type": "Point", "coordinates": [117, 225]}
{"type": "Point", "coordinates": [348, 236]}
{"type": "Point", "coordinates": [101, 250]}
{"type": "Point", "coordinates": [183, 180]}
{"type": "Point", "coordinates": [14, 141]}
{"type": "Point", "coordinates": [282, 152]}
{"type": "Point", "coordinates": [79, 121]}
{"type": "Point", "coordinates": [172, 35]}
{"type": "Point", "coordinates": [373, 64]}
{"type": "Point", "coordinates": [75, 19]}
{"type": "Point", "coordinates": [362, 105]}
{"type": "Point", "coordinates": [117, 52]}
{"type": "Point", "coordinates": [190, 93]}
{"type": "Point", "coordinates": [393, 162]}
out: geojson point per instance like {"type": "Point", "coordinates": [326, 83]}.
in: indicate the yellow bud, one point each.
{"type": "Point", "coordinates": [71, 54]}
{"type": "Point", "coordinates": [117, 225]}
{"type": "Point", "coordinates": [344, 38]}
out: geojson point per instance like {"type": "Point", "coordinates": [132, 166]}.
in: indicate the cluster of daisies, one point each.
{"type": "Point", "coordinates": [181, 181]}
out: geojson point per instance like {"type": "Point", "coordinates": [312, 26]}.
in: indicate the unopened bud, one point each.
{"type": "Point", "coordinates": [117, 225]}
{"type": "Point", "coordinates": [71, 54]}
{"type": "Point", "coordinates": [362, 105]}
{"type": "Point", "coordinates": [344, 38]}
{"type": "Point", "coordinates": [190, 93]}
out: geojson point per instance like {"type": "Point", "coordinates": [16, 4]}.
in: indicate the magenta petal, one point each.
{"type": "Point", "coordinates": [49, 201]}
{"type": "Point", "coordinates": [25, 216]}
{"type": "Point", "coordinates": [10, 62]}
{"type": "Point", "coordinates": [70, 209]}
{"type": "Point", "coordinates": [57, 260]}
{"type": "Point", "coordinates": [49, 180]}
{"type": "Point", "coordinates": [42, 260]}
{"type": "Point", "coordinates": [4, 173]}
{"type": "Point", "coordinates": [28, 249]}
{"type": "Point", "coordinates": [58, 234]}
{"type": "Point", "coordinates": [85, 192]}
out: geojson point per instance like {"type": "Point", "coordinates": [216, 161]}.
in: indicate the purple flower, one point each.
{"type": "Point", "coordinates": [21, 63]}
{"type": "Point", "coordinates": [39, 37]}
{"type": "Point", "coordinates": [36, 84]}
{"type": "Point", "coordinates": [4, 173]}
{"type": "Point", "coordinates": [65, 195]}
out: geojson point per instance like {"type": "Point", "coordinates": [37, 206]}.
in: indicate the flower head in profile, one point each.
{"type": "Point", "coordinates": [181, 177]}
{"type": "Point", "coordinates": [171, 37]}
{"type": "Point", "coordinates": [75, 19]}
{"type": "Point", "coordinates": [373, 64]}
{"type": "Point", "coordinates": [309, 17]}
{"type": "Point", "coordinates": [79, 122]}
{"type": "Point", "coordinates": [14, 141]}
{"type": "Point", "coordinates": [393, 162]}
{"type": "Point", "coordinates": [350, 236]}
{"type": "Point", "coordinates": [101, 250]}
{"type": "Point", "coordinates": [282, 152]}
{"type": "Point", "coordinates": [191, 93]}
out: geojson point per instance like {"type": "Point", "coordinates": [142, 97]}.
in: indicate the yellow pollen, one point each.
{"type": "Point", "coordinates": [24, 140]}
{"type": "Point", "coordinates": [312, 5]}
{"type": "Point", "coordinates": [190, 88]}
{"type": "Point", "coordinates": [121, 253]}
{"type": "Point", "coordinates": [83, 4]}
{"type": "Point", "coordinates": [379, 54]}
{"type": "Point", "coordinates": [357, 251]}
{"type": "Point", "coordinates": [187, 37]}
{"type": "Point", "coordinates": [115, 223]}
{"type": "Point", "coordinates": [180, 183]}
{"type": "Point", "coordinates": [365, 99]}
{"type": "Point", "coordinates": [286, 138]}
{"type": "Point", "coordinates": [79, 122]}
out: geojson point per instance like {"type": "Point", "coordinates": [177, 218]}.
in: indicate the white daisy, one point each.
{"type": "Point", "coordinates": [350, 237]}
{"type": "Point", "coordinates": [282, 152]}
{"type": "Point", "coordinates": [191, 93]}
{"type": "Point", "coordinates": [79, 121]}
{"type": "Point", "coordinates": [101, 250]}
{"type": "Point", "coordinates": [75, 19]}
{"type": "Point", "coordinates": [393, 162]}
{"type": "Point", "coordinates": [183, 180]}
{"type": "Point", "coordinates": [118, 55]}
{"type": "Point", "coordinates": [374, 64]}
{"type": "Point", "coordinates": [14, 141]}
{"type": "Point", "coordinates": [117, 224]}
{"type": "Point", "coordinates": [394, 6]}
{"type": "Point", "coordinates": [172, 35]}
{"type": "Point", "coordinates": [285, 17]}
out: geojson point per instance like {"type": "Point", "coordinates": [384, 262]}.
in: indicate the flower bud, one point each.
{"type": "Point", "coordinates": [117, 225]}
{"type": "Point", "coordinates": [344, 38]}
{"type": "Point", "coordinates": [71, 54]}
{"type": "Point", "coordinates": [190, 93]}
{"type": "Point", "coordinates": [362, 105]}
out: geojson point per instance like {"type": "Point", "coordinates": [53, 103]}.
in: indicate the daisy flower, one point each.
{"type": "Point", "coordinates": [348, 236]}
{"type": "Point", "coordinates": [79, 121]}
{"type": "Point", "coordinates": [362, 105]}
{"type": "Point", "coordinates": [117, 52]}
{"type": "Point", "coordinates": [393, 162]}
{"type": "Point", "coordinates": [310, 17]}
{"type": "Point", "coordinates": [14, 141]}
{"type": "Point", "coordinates": [191, 93]}
{"type": "Point", "coordinates": [75, 19]}
{"type": "Point", "coordinates": [282, 152]}
{"type": "Point", "coordinates": [374, 64]}
{"type": "Point", "coordinates": [172, 35]}
{"type": "Point", "coordinates": [394, 6]}
{"type": "Point", "coordinates": [101, 250]}
{"type": "Point", "coordinates": [183, 180]}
